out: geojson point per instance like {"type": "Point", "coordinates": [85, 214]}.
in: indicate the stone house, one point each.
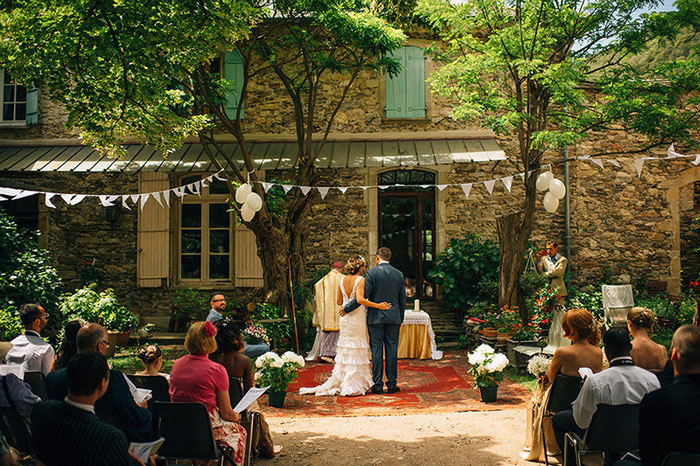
{"type": "Point", "coordinates": [389, 131]}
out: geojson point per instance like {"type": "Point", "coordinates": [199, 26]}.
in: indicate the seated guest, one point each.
{"type": "Point", "coordinates": [19, 393]}
{"type": "Point", "coordinates": [669, 419]}
{"type": "Point", "coordinates": [579, 327]}
{"type": "Point", "coordinates": [152, 358]}
{"type": "Point", "coordinates": [68, 431]}
{"type": "Point", "coordinates": [195, 378]}
{"type": "Point", "coordinates": [622, 383]}
{"type": "Point", "coordinates": [645, 353]}
{"type": "Point", "coordinates": [117, 406]}
{"type": "Point", "coordinates": [69, 347]}
{"type": "Point", "coordinates": [229, 353]}
{"type": "Point", "coordinates": [30, 349]}
{"type": "Point", "coordinates": [218, 306]}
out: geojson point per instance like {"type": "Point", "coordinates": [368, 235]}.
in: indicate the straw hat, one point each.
{"type": "Point", "coordinates": [5, 347]}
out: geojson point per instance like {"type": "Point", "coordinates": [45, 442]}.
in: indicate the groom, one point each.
{"type": "Point", "coordinates": [383, 283]}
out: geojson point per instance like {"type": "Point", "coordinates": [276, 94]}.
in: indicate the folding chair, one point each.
{"type": "Point", "coordinates": [187, 431]}
{"type": "Point", "coordinates": [617, 300]}
{"type": "Point", "coordinates": [565, 389]}
{"type": "Point", "coordinates": [676, 458]}
{"type": "Point", "coordinates": [37, 382]}
{"type": "Point", "coordinates": [613, 429]}
{"type": "Point", "coordinates": [16, 432]}
{"type": "Point", "coordinates": [235, 392]}
{"type": "Point", "coordinates": [158, 385]}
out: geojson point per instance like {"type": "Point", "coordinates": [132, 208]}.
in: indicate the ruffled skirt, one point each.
{"type": "Point", "coordinates": [231, 435]}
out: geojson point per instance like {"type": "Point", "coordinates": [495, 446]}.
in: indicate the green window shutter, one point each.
{"type": "Point", "coordinates": [396, 88]}
{"type": "Point", "coordinates": [32, 106]}
{"type": "Point", "coordinates": [233, 72]}
{"type": "Point", "coordinates": [415, 82]}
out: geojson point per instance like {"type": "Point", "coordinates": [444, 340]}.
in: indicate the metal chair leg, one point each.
{"type": "Point", "coordinates": [544, 443]}
{"type": "Point", "coordinates": [250, 436]}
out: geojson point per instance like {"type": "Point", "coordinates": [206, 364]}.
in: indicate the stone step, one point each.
{"type": "Point", "coordinates": [161, 322]}
{"type": "Point", "coordinates": [160, 338]}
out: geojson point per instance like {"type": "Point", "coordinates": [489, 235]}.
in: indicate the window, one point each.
{"type": "Point", "coordinates": [206, 234]}
{"type": "Point", "coordinates": [14, 99]}
{"type": "Point", "coordinates": [405, 92]}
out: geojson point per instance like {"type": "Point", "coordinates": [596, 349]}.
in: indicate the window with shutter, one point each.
{"type": "Point", "coordinates": [153, 242]}
{"type": "Point", "coordinates": [405, 92]}
{"type": "Point", "coordinates": [233, 72]}
{"type": "Point", "coordinates": [17, 104]}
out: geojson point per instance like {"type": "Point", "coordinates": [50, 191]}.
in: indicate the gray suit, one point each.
{"type": "Point", "coordinates": [383, 283]}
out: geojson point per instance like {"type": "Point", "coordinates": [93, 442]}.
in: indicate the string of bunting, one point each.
{"type": "Point", "coordinates": [195, 188]}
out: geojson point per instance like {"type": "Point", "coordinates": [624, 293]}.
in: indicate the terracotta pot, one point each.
{"type": "Point", "coordinates": [481, 331]}
{"type": "Point", "coordinates": [490, 332]}
{"type": "Point", "coordinates": [118, 338]}
{"type": "Point", "coordinates": [503, 337]}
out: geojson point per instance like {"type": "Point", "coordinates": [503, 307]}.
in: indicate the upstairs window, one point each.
{"type": "Point", "coordinates": [18, 104]}
{"type": "Point", "coordinates": [405, 92]}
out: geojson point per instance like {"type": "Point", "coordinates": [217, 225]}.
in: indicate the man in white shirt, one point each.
{"type": "Point", "coordinates": [622, 383]}
{"type": "Point", "coordinates": [30, 349]}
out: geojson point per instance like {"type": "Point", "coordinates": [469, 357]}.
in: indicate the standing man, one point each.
{"type": "Point", "coordinates": [325, 315]}
{"type": "Point", "coordinates": [383, 283]}
{"type": "Point", "coordinates": [552, 265]}
{"type": "Point", "coordinates": [30, 349]}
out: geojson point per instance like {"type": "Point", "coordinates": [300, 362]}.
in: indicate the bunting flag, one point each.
{"type": "Point", "coordinates": [156, 196]}
{"type": "Point", "coordinates": [467, 188]}
{"type": "Point", "coordinates": [442, 186]}
{"type": "Point", "coordinates": [47, 200]}
{"type": "Point", "coordinates": [124, 204]}
{"type": "Point", "coordinates": [522, 176]}
{"type": "Point", "coordinates": [135, 198]}
{"type": "Point", "coordinates": [507, 182]}
{"type": "Point", "coordinates": [25, 193]}
{"type": "Point", "coordinates": [305, 189]}
{"type": "Point", "coordinates": [108, 201]}
{"type": "Point", "coordinates": [266, 186]}
{"type": "Point", "coordinates": [614, 163]}
{"type": "Point", "coordinates": [638, 165]}
{"type": "Point", "coordinates": [489, 185]}
{"type": "Point", "coordinates": [323, 191]}
{"type": "Point", "coordinates": [144, 198]}
{"type": "Point", "coordinates": [342, 189]}
{"type": "Point", "coordinates": [287, 188]}
{"type": "Point", "coordinates": [166, 197]}
{"type": "Point", "coordinates": [597, 162]}
{"type": "Point", "coordinates": [697, 160]}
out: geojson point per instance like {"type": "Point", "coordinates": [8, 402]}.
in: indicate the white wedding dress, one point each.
{"type": "Point", "coordinates": [352, 374]}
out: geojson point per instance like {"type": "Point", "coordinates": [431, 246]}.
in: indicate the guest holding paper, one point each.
{"type": "Point", "coordinates": [195, 378]}
{"type": "Point", "coordinates": [229, 353]}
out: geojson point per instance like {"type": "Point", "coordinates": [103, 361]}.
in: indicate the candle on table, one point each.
{"type": "Point", "coordinates": [416, 305]}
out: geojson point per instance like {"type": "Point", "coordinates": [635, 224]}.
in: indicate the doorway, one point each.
{"type": "Point", "coordinates": [407, 226]}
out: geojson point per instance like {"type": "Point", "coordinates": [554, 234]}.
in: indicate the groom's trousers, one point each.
{"type": "Point", "coordinates": [384, 343]}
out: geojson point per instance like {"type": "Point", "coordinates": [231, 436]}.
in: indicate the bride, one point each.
{"type": "Point", "coordinates": [352, 374]}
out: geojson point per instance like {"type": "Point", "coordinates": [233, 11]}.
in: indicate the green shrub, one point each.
{"type": "Point", "coordinates": [10, 324]}
{"type": "Point", "coordinates": [102, 308]}
{"type": "Point", "coordinates": [277, 331]}
{"type": "Point", "coordinates": [190, 304]}
{"type": "Point", "coordinates": [462, 266]}
{"type": "Point", "coordinates": [589, 298]}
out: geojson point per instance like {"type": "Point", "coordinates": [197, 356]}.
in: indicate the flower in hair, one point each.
{"type": "Point", "coordinates": [209, 329]}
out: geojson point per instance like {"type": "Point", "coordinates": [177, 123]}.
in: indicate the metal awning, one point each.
{"type": "Point", "coordinates": [191, 157]}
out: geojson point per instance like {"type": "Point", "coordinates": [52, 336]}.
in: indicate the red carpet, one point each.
{"type": "Point", "coordinates": [426, 387]}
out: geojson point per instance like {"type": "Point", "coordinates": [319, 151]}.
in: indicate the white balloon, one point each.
{"type": "Point", "coordinates": [247, 213]}
{"type": "Point", "coordinates": [543, 181]}
{"type": "Point", "coordinates": [557, 188]}
{"type": "Point", "coordinates": [242, 193]}
{"type": "Point", "coordinates": [254, 201]}
{"type": "Point", "coordinates": [550, 202]}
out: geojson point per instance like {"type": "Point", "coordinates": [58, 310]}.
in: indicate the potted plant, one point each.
{"type": "Point", "coordinates": [524, 335]}
{"type": "Point", "coordinates": [491, 325]}
{"type": "Point", "coordinates": [508, 322]}
{"type": "Point", "coordinates": [487, 369]}
{"type": "Point", "coordinates": [277, 373]}
{"type": "Point", "coordinates": [255, 334]}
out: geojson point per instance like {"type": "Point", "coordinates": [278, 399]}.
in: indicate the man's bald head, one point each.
{"type": "Point", "coordinates": [89, 338]}
{"type": "Point", "coordinates": [685, 349]}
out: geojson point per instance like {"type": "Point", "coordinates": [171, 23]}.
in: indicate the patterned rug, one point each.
{"type": "Point", "coordinates": [426, 386]}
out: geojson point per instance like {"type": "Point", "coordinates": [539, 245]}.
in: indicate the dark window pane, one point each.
{"type": "Point", "coordinates": [21, 112]}
{"type": "Point", "coordinates": [8, 78]}
{"type": "Point", "coordinates": [218, 241]}
{"type": "Point", "coordinates": [190, 179]}
{"type": "Point", "coordinates": [8, 94]}
{"type": "Point", "coordinates": [218, 267]}
{"type": "Point", "coordinates": [219, 216]}
{"type": "Point", "coordinates": [191, 215]}
{"type": "Point", "coordinates": [21, 94]}
{"type": "Point", "coordinates": [8, 112]}
{"type": "Point", "coordinates": [218, 187]}
{"type": "Point", "coordinates": [191, 241]}
{"type": "Point", "coordinates": [191, 267]}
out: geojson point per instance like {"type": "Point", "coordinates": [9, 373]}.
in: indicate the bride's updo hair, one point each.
{"type": "Point", "coordinates": [354, 264]}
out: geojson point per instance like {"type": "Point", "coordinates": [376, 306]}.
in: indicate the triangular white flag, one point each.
{"type": "Point", "coordinates": [47, 200]}
{"type": "Point", "coordinates": [383, 186]}
{"type": "Point", "coordinates": [22, 194]}
{"type": "Point", "coordinates": [489, 185]}
{"type": "Point", "coordinates": [639, 164]}
{"type": "Point", "coordinates": [441, 186]}
{"type": "Point", "coordinates": [144, 198]}
{"type": "Point", "coordinates": [219, 175]}
{"type": "Point", "coordinates": [67, 198]}
{"type": "Point", "coordinates": [467, 188]}
{"type": "Point", "coordinates": [77, 198]}
{"type": "Point", "coordinates": [697, 160]}
{"type": "Point", "coordinates": [507, 182]}
{"type": "Point", "coordinates": [266, 186]}
{"type": "Point", "coordinates": [424, 186]}
{"type": "Point", "coordinates": [613, 162]}
{"type": "Point", "coordinates": [104, 200]}
{"type": "Point", "coordinates": [323, 191]}
{"type": "Point", "coordinates": [195, 187]}
{"type": "Point", "coordinates": [364, 188]}
{"type": "Point", "coordinates": [156, 196]}
{"type": "Point", "coordinates": [597, 162]}
{"type": "Point", "coordinates": [166, 197]}
{"type": "Point", "coordinates": [286, 188]}
{"type": "Point", "coordinates": [124, 204]}
{"type": "Point", "coordinates": [135, 198]}
{"type": "Point", "coordinates": [522, 176]}
{"type": "Point", "coordinates": [305, 189]}
{"type": "Point", "coordinates": [342, 189]}
{"type": "Point", "coordinates": [179, 192]}
{"type": "Point", "coordinates": [672, 154]}
{"type": "Point", "coordinates": [204, 183]}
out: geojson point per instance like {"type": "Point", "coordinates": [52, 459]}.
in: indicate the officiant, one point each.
{"type": "Point", "coordinates": [552, 266]}
{"type": "Point", "coordinates": [326, 315]}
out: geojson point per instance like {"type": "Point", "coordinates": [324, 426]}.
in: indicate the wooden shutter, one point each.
{"type": "Point", "coordinates": [396, 88]}
{"type": "Point", "coordinates": [415, 82]}
{"type": "Point", "coordinates": [233, 72]}
{"type": "Point", "coordinates": [32, 106]}
{"type": "Point", "coordinates": [248, 270]}
{"type": "Point", "coordinates": [153, 243]}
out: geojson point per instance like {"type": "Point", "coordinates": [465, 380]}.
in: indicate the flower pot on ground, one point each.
{"type": "Point", "coordinates": [276, 399]}
{"type": "Point", "coordinates": [489, 394]}
{"type": "Point", "coordinates": [277, 372]}
{"type": "Point", "coordinates": [120, 338]}
{"type": "Point", "coordinates": [487, 369]}
{"type": "Point", "coordinates": [490, 332]}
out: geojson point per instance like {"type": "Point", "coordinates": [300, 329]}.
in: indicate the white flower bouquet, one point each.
{"type": "Point", "coordinates": [487, 366]}
{"type": "Point", "coordinates": [277, 372]}
{"type": "Point", "coordinates": [538, 365]}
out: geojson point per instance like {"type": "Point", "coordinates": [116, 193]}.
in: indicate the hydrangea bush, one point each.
{"type": "Point", "coordinates": [487, 366]}
{"type": "Point", "coordinates": [277, 372]}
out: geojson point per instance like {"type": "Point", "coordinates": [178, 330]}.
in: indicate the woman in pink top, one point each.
{"type": "Point", "coordinates": [195, 377]}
